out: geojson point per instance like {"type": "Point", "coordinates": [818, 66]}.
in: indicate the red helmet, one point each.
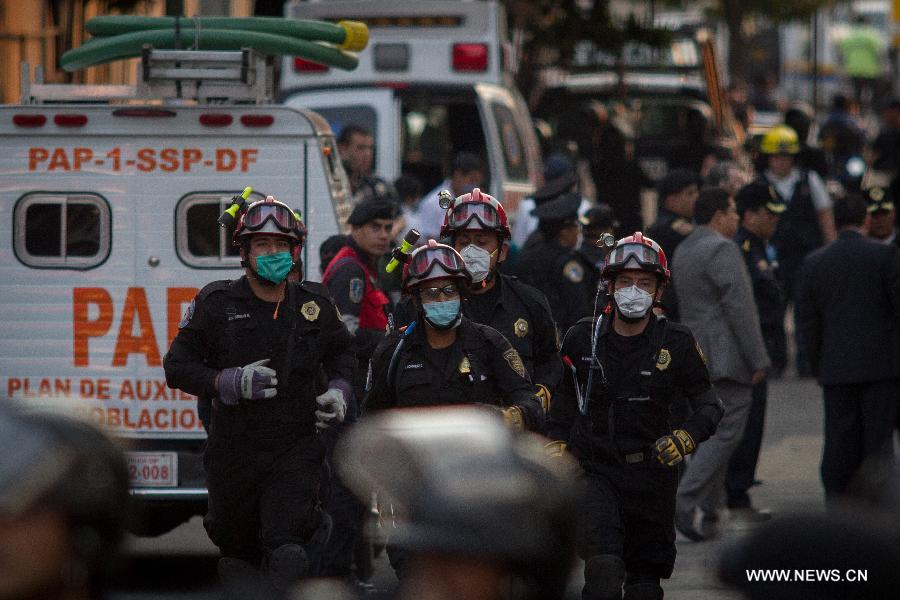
{"type": "Point", "coordinates": [639, 253]}
{"type": "Point", "coordinates": [476, 210]}
{"type": "Point", "coordinates": [270, 217]}
{"type": "Point", "coordinates": [433, 261]}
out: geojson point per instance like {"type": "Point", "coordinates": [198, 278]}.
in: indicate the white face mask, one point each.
{"type": "Point", "coordinates": [633, 302]}
{"type": "Point", "coordinates": [478, 262]}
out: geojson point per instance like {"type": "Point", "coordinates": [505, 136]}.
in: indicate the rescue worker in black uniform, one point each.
{"type": "Point", "coordinates": [759, 207]}
{"type": "Point", "coordinates": [443, 358]}
{"type": "Point", "coordinates": [352, 279]}
{"type": "Point", "coordinates": [552, 265]}
{"type": "Point", "coordinates": [263, 457]}
{"type": "Point", "coordinates": [612, 413]}
{"type": "Point", "coordinates": [477, 226]}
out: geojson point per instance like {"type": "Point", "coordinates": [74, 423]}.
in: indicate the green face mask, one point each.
{"type": "Point", "coordinates": [274, 267]}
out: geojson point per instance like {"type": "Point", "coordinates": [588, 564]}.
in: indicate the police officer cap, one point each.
{"type": "Point", "coordinates": [757, 194]}
{"type": "Point", "coordinates": [554, 187]}
{"type": "Point", "coordinates": [464, 484]}
{"type": "Point", "coordinates": [369, 210]}
{"type": "Point", "coordinates": [675, 181]}
{"type": "Point", "coordinates": [563, 208]}
{"type": "Point", "coordinates": [600, 217]}
{"type": "Point", "coordinates": [878, 199]}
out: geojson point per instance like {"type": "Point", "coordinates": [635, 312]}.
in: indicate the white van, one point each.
{"type": "Point", "coordinates": [111, 229]}
{"type": "Point", "coordinates": [435, 81]}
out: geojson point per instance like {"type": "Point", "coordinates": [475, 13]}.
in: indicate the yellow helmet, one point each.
{"type": "Point", "coordinates": [781, 139]}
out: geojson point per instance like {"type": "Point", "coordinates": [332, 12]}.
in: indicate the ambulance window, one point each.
{"type": "Point", "coordinates": [340, 116]}
{"type": "Point", "coordinates": [60, 230]}
{"type": "Point", "coordinates": [200, 241]}
{"type": "Point", "coordinates": [513, 149]}
{"type": "Point", "coordinates": [434, 132]}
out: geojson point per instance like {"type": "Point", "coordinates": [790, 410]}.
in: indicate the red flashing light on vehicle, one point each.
{"type": "Point", "coordinates": [470, 58]}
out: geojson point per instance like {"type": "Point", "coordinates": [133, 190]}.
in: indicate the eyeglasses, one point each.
{"type": "Point", "coordinates": [484, 213]}
{"type": "Point", "coordinates": [279, 214]}
{"type": "Point", "coordinates": [435, 293]}
{"type": "Point", "coordinates": [424, 260]}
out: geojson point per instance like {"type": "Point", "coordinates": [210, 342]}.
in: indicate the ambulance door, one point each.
{"type": "Point", "coordinates": [512, 146]}
{"type": "Point", "coordinates": [374, 108]}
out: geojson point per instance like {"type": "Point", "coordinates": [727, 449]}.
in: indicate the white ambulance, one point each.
{"type": "Point", "coordinates": [111, 202]}
{"type": "Point", "coordinates": [436, 80]}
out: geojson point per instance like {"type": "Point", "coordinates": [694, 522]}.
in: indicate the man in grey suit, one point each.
{"type": "Point", "coordinates": [716, 302]}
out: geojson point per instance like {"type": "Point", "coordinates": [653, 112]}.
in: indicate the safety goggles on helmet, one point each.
{"type": "Point", "coordinates": [424, 261]}
{"type": "Point", "coordinates": [475, 215]}
{"type": "Point", "coordinates": [634, 256]}
{"type": "Point", "coordinates": [279, 214]}
{"type": "Point", "coordinates": [270, 217]}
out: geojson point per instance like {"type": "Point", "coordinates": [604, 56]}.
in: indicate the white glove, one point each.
{"type": "Point", "coordinates": [255, 381]}
{"type": "Point", "coordinates": [332, 407]}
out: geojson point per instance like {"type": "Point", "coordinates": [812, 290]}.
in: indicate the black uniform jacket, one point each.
{"type": "Point", "coordinates": [563, 275]}
{"type": "Point", "coordinates": [521, 313]}
{"type": "Point", "coordinates": [228, 326]}
{"type": "Point", "coordinates": [848, 310]}
{"type": "Point", "coordinates": [766, 287]}
{"type": "Point", "coordinates": [631, 412]}
{"type": "Point", "coordinates": [480, 367]}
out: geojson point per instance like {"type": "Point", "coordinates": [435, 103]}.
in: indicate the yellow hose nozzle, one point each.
{"type": "Point", "coordinates": [357, 35]}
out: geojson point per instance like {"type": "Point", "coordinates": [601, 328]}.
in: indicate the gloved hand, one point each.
{"type": "Point", "coordinates": [251, 382]}
{"type": "Point", "coordinates": [555, 449]}
{"type": "Point", "coordinates": [543, 394]}
{"type": "Point", "coordinates": [671, 449]}
{"type": "Point", "coordinates": [332, 407]}
{"type": "Point", "coordinates": [513, 417]}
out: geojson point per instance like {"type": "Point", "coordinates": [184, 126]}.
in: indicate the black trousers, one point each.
{"type": "Point", "coordinates": [263, 490]}
{"type": "Point", "coordinates": [348, 516]}
{"type": "Point", "coordinates": [742, 466]}
{"type": "Point", "coordinates": [629, 511]}
{"type": "Point", "coordinates": [859, 422]}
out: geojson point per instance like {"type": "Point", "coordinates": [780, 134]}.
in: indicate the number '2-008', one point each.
{"type": "Point", "coordinates": [148, 472]}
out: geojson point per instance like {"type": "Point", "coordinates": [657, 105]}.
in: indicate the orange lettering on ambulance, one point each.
{"type": "Point", "coordinates": [145, 343]}
{"type": "Point", "coordinates": [84, 328]}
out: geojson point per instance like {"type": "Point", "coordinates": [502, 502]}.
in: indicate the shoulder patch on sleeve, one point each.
{"type": "Point", "coordinates": [186, 318]}
{"type": "Point", "coordinates": [357, 287]}
{"type": "Point", "coordinates": [573, 271]}
{"type": "Point", "coordinates": [513, 359]}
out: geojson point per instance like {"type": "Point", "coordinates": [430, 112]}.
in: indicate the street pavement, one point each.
{"type": "Point", "coordinates": [181, 564]}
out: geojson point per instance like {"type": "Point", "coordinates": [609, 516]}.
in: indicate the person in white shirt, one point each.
{"type": "Point", "coordinates": [468, 173]}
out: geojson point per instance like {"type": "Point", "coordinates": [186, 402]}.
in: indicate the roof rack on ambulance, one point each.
{"type": "Point", "coordinates": [206, 76]}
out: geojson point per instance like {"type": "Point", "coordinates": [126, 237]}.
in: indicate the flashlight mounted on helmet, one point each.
{"type": "Point", "coordinates": [401, 254]}
{"type": "Point", "coordinates": [445, 199]}
{"type": "Point", "coordinates": [238, 203]}
{"type": "Point", "coordinates": [607, 243]}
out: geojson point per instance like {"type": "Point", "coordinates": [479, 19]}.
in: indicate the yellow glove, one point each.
{"type": "Point", "coordinates": [555, 449]}
{"type": "Point", "coordinates": [513, 417]}
{"type": "Point", "coordinates": [544, 395]}
{"type": "Point", "coordinates": [671, 449]}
